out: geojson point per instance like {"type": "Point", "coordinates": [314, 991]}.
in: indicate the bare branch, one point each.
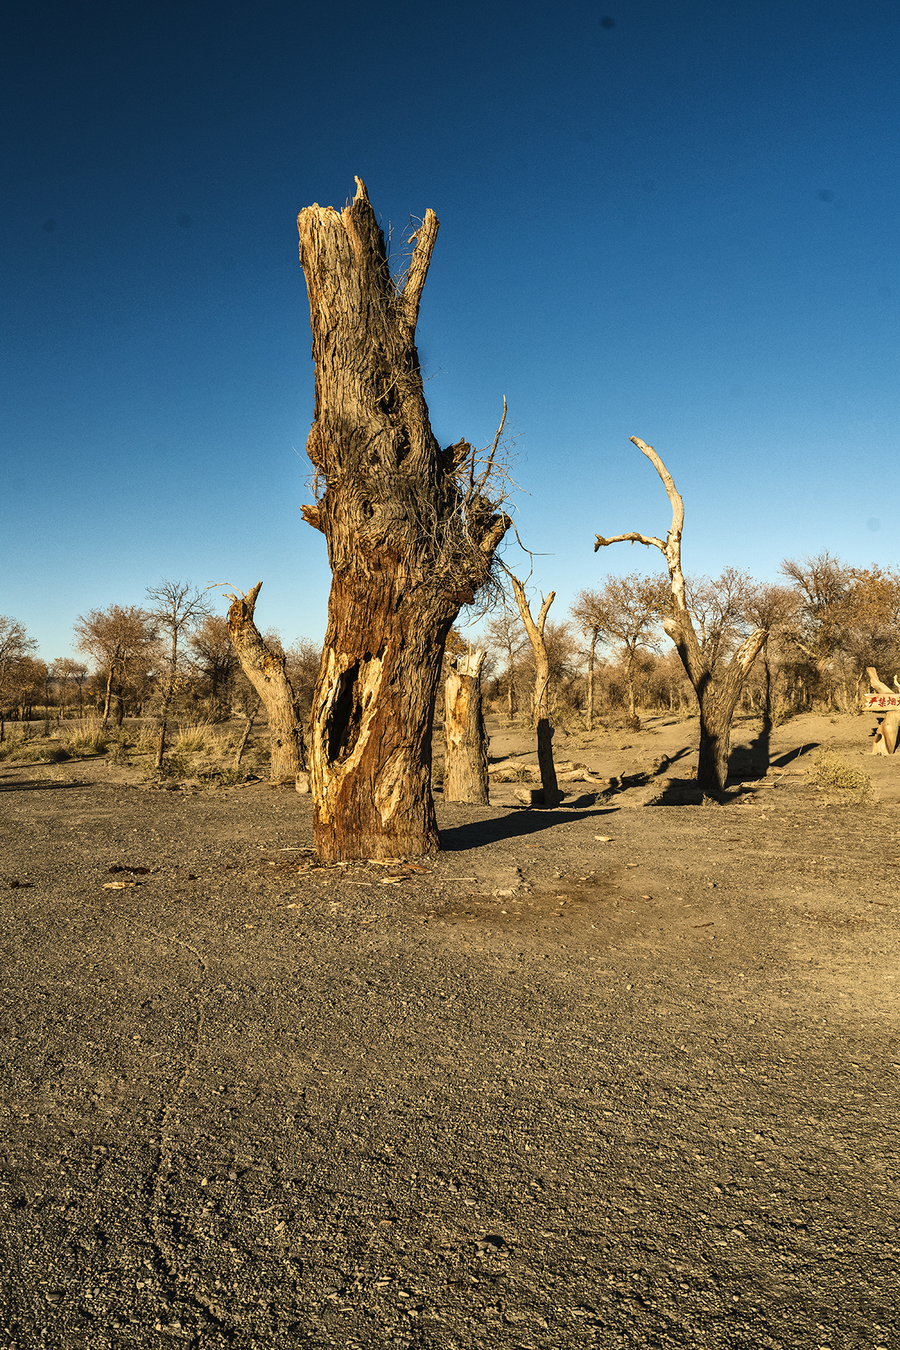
{"type": "Point", "coordinates": [633, 538]}
{"type": "Point", "coordinates": [411, 294]}
{"type": "Point", "coordinates": [486, 472]}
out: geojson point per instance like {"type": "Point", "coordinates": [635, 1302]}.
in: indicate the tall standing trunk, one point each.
{"type": "Point", "coordinates": [465, 737]}
{"type": "Point", "coordinates": [541, 702]}
{"type": "Point", "coordinates": [590, 688]}
{"type": "Point", "coordinates": [717, 691]}
{"type": "Point", "coordinates": [411, 534]}
{"type": "Point", "coordinates": [107, 699]}
{"type": "Point", "coordinates": [717, 695]}
{"type": "Point", "coordinates": [265, 670]}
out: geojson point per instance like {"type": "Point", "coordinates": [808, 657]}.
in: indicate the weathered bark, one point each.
{"type": "Point", "coordinates": [265, 670]}
{"type": "Point", "coordinates": [541, 701]}
{"type": "Point", "coordinates": [411, 535]}
{"type": "Point", "coordinates": [717, 693]}
{"type": "Point", "coordinates": [465, 737]}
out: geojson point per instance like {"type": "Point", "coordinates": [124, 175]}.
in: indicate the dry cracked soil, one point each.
{"type": "Point", "coordinates": [591, 1076]}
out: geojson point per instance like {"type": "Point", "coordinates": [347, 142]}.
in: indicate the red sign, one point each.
{"type": "Point", "coordinates": [882, 702]}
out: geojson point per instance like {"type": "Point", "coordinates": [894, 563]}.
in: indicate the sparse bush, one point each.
{"type": "Point", "coordinates": [87, 743]}
{"type": "Point", "coordinates": [145, 741]}
{"type": "Point", "coordinates": [174, 766]}
{"type": "Point", "coordinates": [829, 770]}
{"type": "Point", "coordinates": [190, 742]}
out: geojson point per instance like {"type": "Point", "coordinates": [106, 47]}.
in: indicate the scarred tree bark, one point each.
{"type": "Point", "coordinates": [411, 536]}
{"type": "Point", "coordinates": [717, 694]}
{"type": "Point", "coordinates": [465, 737]}
{"type": "Point", "coordinates": [264, 669]}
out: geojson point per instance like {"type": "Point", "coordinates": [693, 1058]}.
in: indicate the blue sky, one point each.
{"type": "Point", "coordinates": [672, 221]}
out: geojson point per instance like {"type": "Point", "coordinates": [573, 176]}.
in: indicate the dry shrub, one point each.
{"type": "Point", "coordinates": [830, 770]}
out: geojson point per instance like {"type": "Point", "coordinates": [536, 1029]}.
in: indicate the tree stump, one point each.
{"type": "Point", "coordinates": [465, 737]}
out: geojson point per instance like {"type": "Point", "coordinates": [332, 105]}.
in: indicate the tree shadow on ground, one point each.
{"type": "Point", "coordinates": [29, 785]}
{"type": "Point", "coordinates": [790, 755]}
{"type": "Point", "coordinates": [519, 821]}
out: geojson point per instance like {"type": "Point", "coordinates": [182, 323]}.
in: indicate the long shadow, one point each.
{"type": "Point", "coordinates": [519, 822]}
{"type": "Point", "coordinates": [752, 761]}
{"type": "Point", "coordinates": [673, 759]}
{"type": "Point", "coordinates": [790, 755]}
{"type": "Point", "coordinates": [28, 785]}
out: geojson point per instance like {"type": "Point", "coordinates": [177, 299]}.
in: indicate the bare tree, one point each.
{"type": "Point", "coordinates": [540, 702]}
{"type": "Point", "coordinates": [771, 608]}
{"type": "Point", "coordinates": [717, 692]}
{"type": "Point", "coordinates": [586, 612]}
{"type": "Point", "coordinates": [718, 607]}
{"type": "Point", "coordinates": [14, 645]}
{"type": "Point", "coordinates": [75, 671]}
{"type": "Point", "coordinates": [115, 637]}
{"type": "Point", "coordinates": [263, 661]}
{"type": "Point", "coordinates": [303, 659]}
{"type": "Point", "coordinates": [177, 608]}
{"type": "Point", "coordinates": [505, 634]}
{"type": "Point", "coordinates": [214, 657]}
{"type": "Point", "coordinates": [411, 532]}
{"type": "Point", "coordinates": [627, 611]}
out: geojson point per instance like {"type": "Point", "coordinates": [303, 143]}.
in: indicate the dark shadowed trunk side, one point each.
{"type": "Point", "coordinates": [410, 534]}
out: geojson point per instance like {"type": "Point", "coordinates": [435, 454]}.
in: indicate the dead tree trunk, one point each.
{"type": "Point", "coordinates": [541, 703]}
{"type": "Point", "coordinates": [717, 694]}
{"type": "Point", "coordinates": [265, 670]}
{"type": "Point", "coordinates": [411, 532]}
{"type": "Point", "coordinates": [465, 737]}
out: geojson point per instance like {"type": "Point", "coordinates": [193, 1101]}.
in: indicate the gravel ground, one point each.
{"type": "Point", "coordinates": [591, 1076]}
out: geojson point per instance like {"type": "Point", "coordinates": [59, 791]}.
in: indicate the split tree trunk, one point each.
{"type": "Point", "coordinates": [465, 737]}
{"type": "Point", "coordinates": [411, 535]}
{"type": "Point", "coordinates": [265, 670]}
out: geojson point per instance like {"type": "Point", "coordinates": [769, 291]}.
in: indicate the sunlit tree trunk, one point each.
{"type": "Point", "coordinates": [465, 737]}
{"type": "Point", "coordinates": [265, 670]}
{"type": "Point", "coordinates": [411, 535]}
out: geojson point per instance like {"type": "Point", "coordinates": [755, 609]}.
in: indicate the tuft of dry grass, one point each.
{"type": "Point", "coordinates": [830, 770]}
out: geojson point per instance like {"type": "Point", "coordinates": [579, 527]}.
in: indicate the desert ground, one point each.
{"type": "Point", "coordinates": [620, 1073]}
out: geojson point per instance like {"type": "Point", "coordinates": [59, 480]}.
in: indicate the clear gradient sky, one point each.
{"type": "Point", "coordinates": [672, 220]}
